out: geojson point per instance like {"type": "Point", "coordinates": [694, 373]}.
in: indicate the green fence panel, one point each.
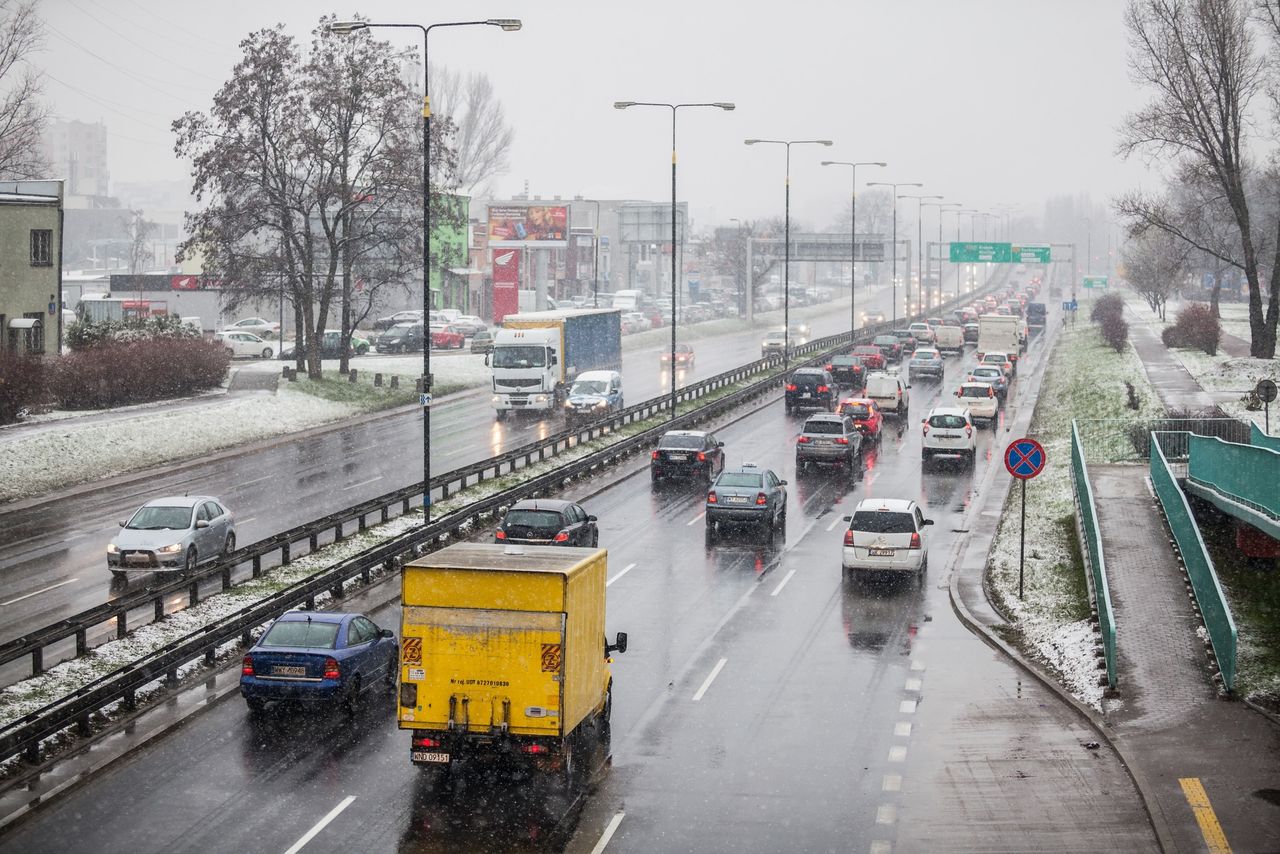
{"type": "Point", "coordinates": [1247, 474]}
{"type": "Point", "coordinates": [1262, 440]}
{"type": "Point", "coordinates": [1204, 578]}
{"type": "Point", "coordinates": [1087, 513]}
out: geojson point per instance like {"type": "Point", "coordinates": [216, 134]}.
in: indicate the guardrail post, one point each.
{"type": "Point", "coordinates": [32, 754]}
{"type": "Point", "coordinates": [337, 533]}
{"type": "Point", "coordinates": [404, 505]}
{"type": "Point", "coordinates": [193, 594]}
{"type": "Point", "coordinates": [314, 538]}
{"type": "Point", "coordinates": [360, 523]}
{"type": "Point", "coordinates": [122, 625]}
{"type": "Point", "coordinates": [209, 657]}
{"type": "Point", "coordinates": [226, 578]}
{"type": "Point", "coordinates": [171, 678]}
{"type": "Point", "coordinates": [311, 603]}
{"type": "Point", "coordinates": [158, 604]}
{"type": "Point", "coordinates": [82, 642]}
{"type": "Point", "coordinates": [385, 513]}
{"type": "Point", "coordinates": [284, 554]}
{"type": "Point", "coordinates": [336, 590]}
{"type": "Point", "coordinates": [257, 565]}
{"type": "Point", "coordinates": [366, 575]}
{"type": "Point", "coordinates": [130, 701]}
{"type": "Point", "coordinates": [37, 661]}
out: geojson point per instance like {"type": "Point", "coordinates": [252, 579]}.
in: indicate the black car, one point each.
{"type": "Point", "coordinates": [890, 347]}
{"type": "Point", "coordinates": [409, 316]}
{"type": "Point", "coordinates": [687, 453]}
{"type": "Point", "coordinates": [547, 522]}
{"type": "Point", "coordinates": [971, 333]}
{"type": "Point", "coordinates": [810, 388]}
{"type": "Point", "coordinates": [401, 338]}
{"type": "Point", "coordinates": [906, 339]}
{"type": "Point", "coordinates": [848, 371]}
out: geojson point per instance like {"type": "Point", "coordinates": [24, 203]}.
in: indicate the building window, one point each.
{"type": "Point", "coordinates": [41, 247]}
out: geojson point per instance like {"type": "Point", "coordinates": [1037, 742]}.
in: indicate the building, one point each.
{"type": "Point", "coordinates": [78, 150]}
{"type": "Point", "coordinates": [30, 266]}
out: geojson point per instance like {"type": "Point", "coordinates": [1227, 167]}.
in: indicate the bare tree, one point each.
{"type": "Point", "coordinates": [139, 230]}
{"type": "Point", "coordinates": [483, 138]}
{"type": "Point", "coordinates": [1198, 56]}
{"type": "Point", "coordinates": [1155, 264]}
{"type": "Point", "coordinates": [22, 113]}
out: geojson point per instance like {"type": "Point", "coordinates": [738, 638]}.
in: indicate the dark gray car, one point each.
{"type": "Point", "coordinates": [829, 439]}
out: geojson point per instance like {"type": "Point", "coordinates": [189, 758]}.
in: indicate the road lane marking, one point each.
{"type": "Point", "coordinates": [881, 846]}
{"type": "Point", "coordinates": [917, 665]}
{"type": "Point", "coordinates": [715, 671]}
{"type": "Point", "coordinates": [321, 824]}
{"type": "Point", "coordinates": [834, 522]}
{"type": "Point", "coordinates": [609, 830]}
{"type": "Point", "coordinates": [782, 583]}
{"type": "Point", "coordinates": [695, 519]}
{"type": "Point", "coordinates": [903, 729]}
{"type": "Point", "coordinates": [886, 814]}
{"type": "Point", "coordinates": [907, 707]}
{"type": "Point", "coordinates": [362, 483]}
{"type": "Point", "coordinates": [913, 685]}
{"type": "Point", "coordinates": [257, 480]}
{"type": "Point", "coordinates": [1210, 829]}
{"type": "Point", "coordinates": [625, 570]}
{"type": "Point", "coordinates": [38, 592]}
{"type": "Point", "coordinates": [245, 521]}
{"type": "Point", "coordinates": [892, 783]}
{"type": "Point", "coordinates": [897, 753]}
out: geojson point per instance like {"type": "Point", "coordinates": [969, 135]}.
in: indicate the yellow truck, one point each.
{"type": "Point", "coordinates": [503, 656]}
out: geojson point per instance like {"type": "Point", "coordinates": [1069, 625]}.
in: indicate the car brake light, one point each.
{"type": "Point", "coordinates": [829, 367]}
{"type": "Point", "coordinates": [822, 389]}
{"type": "Point", "coordinates": [803, 440]}
{"type": "Point", "coordinates": [533, 748]}
{"type": "Point", "coordinates": [711, 498]}
{"type": "Point", "coordinates": [841, 440]}
{"type": "Point", "coordinates": [562, 537]}
{"type": "Point", "coordinates": [848, 538]}
{"type": "Point", "coordinates": [499, 534]}
{"type": "Point", "coordinates": [331, 670]}
{"type": "Point", "coordinates": [915, 540]}
{"type": "Point", "coordinates": [990, 392]}
{"type": "Point", "coordinates": [654, 455]}
{"type": "Point", "coordinates": [968, 431]}
{"type": "Point", "coordinates": [761, 498]}
{"type": "Point", "coordinates": [791, 386]}
{"type": "Point", "coordinates": [246, 666]}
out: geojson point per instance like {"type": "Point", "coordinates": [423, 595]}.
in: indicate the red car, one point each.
{"type": "Point", "coordinates": [871, 356]}
{"type": "Point", "coordinates": [447, 338]}
{"type": "Point", "coordinates": [684, 356]}
{"type": "Point", "coordinates": [866, 416]}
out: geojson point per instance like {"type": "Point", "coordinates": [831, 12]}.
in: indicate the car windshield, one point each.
{"type": "Point", "coordinates": [159, 518]}
{"type": "Point", "coordinates": [533, 519]}
{"type": "Point", "coordinates": [304, 633]}
{"type": "Point", "coordinates": [827, 427]}
{"type": "Point", "coordinates": [683, 443]}
{"type": "Point", "coordinates": [520, 356]}
{"type": "Point", "coordinates": [589, 387]}
{"type": "Point", "coordinates": [953, 422]}
{"type": "Point", "coordinates": [740, 478]}
{"type": "Point", "coordinates": [987, 373]}
{"type": "Point", "coordinates": [882, 522]}
{"type": "Point", "coordinates": [856, 410]}
{"type": "Point", "coordinates": [844, 361]}
{"type": "Point", "coordinates": [775, 336]}
{"type": "Point", "coordinates": [888, 340]}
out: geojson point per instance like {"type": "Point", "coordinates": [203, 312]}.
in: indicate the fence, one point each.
{"type": "Point", "coordinates": [1087, 529]}
{"type": "Point", "coordinates": [1262, 440]}
{"type": "Point", "coordinates": [1246, 474]}
{"type": "Point", "coordinates": [1121, 440]}
{"type": "Point", "coordinates": [1204, 578]}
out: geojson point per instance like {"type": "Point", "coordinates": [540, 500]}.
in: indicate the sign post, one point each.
{"type": "Point", "coordinates": [1024, 458]}
{"type": "Point", "coordinates": [1266, 390]}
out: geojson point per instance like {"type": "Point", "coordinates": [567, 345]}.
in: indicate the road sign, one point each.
{"type": "Point", "coordinates": [1098, 282]}
{"type": "Point", "coordinates": [976, 253]}
{"type": "Point", "coordinates": [1266, 391]}
{"type": "Point", "coordinates": [1024, 458]}
{"type": "Point", "coordinates": [1070, 305]}
{"type": "Point", "coordinates": [1030, 254]}
{"type": "Point", "coordinates": [424, 400]}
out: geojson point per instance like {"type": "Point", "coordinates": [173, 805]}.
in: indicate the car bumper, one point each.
{"type": "Point", "coordinates": [947, 448]}
{"type": "Point", "coordinates": [902, 560]}
{"type": "Point", "coordinates": [115, 563]}
{"type": "Point", "coordinates": [824, 453]}
{"type": "Point", "coordinates": [266, 690]}
{"type": "Point", "coordinates": [817, 401]}
{"type": "Point", "coordinates": [926, 371]}
{"type": "Point", "coordinates": [732, 515]}
{"type": "Point", "coordinates": [537, 402]}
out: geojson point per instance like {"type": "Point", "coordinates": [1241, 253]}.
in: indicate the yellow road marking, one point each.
{"type": "Point", "coordinates": [1196, 796]}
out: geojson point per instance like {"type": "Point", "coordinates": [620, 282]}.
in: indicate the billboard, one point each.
{"type": "Point", "coordinates": [506, 283]}
{"type": "Point", "coordinates": [528, 226]}
{"type": "Point", "coordinates": [646, 222]}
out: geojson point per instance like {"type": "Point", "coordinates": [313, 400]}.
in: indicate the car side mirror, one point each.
{"type": "Point", "coordinates": [386, 633]}
{"type": "Point", "coordinates": [202, 523]}
{"type": "Point", "coordinates": [719, 444]}
{"type": "Point", "coordinates": [619, 645]}
{"type": "Point", "coordinates": [124, 522]}
{"type": "Point", "coordinates": [486, 360]}
{"type": "Point", "coordinates": [928, 522]}
{"type": "Point", "coordinates": [782, 483]}
{"type": "Point", "coordinates": [591, 518]}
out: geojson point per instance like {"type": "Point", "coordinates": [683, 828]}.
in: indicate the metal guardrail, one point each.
{"type": "Point", "coordinates": [1087, 528]}
{"type": "Point", "coordinates": [1262, 440]}
{"type": "Point", "coordinates": [1246, 474]}
{"type": "Point", "coordinates": [1212, 602]}
{"type": "Point", "coordinates": [1119, 440]}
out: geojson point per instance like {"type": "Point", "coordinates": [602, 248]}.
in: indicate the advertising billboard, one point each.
{"type": "Point", "coordinates": [528, 226]}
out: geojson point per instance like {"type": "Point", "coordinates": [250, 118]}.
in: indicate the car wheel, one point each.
{"type": "Point", "coordinates": [595, 539]}
{"type": "Point", "coordinates": [190, 565]}
{"type": "Point", "coordinates": [230, 545]}
{"type": "Point", "coordinates": [267, 353]}
{"type": "Point", "coordinates": [393, 670]}
{"type": "Point", "coordinates": [351, 699]}
{"type": "Point", "coordinates": [711, 534]}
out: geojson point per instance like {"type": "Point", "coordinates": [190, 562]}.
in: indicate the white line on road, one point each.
{"type": "Point", "coordinates": [897, 753]}
{"type": "Point", "coordinates": [907, 707]}
{"type": "Point", "coordinates": [913, 685]}
{"type": "Point", "coordinates": [715, 671]}
{"type": "Point", "coordinates": [881, 846]}
{"type": "Point", "coordinates": [886, 814]}
{"type": "Point", "coordinates": [695, 519]}
{"type": "Point", "coordinates": [917, 665]}
{"type": "Point", "coordinates": [902, 729]}
{"type": "Point", "coordinates": [38, 592]}
{"type": "Point", "coordinates": [362, 483]}
{"type": "Point", "coordinates": [245, 521]}
{"type": "Point", "coordinates": [609, 830]}
{"type": "Point", "coordinates": [782, 583]}
{"type": "Point", "coordinates": [257, 480]}
{"type": "Point", "coordinates": [625, 570]}
{"type": "Point", "coordinates": [892, 783]}
{"type": "Point", "coordinates": [321, 824]}
{"type": "Point", "coordinates": [834, 522]}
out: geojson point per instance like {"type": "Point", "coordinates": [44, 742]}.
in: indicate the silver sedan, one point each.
{"type": "Point", "coordinates": [177, 532]}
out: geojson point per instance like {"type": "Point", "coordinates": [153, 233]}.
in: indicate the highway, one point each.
{"type": "Point", "coordinates": [766, 703]}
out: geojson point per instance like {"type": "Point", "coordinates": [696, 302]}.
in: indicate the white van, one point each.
{"type": "Point", "coordinates": [950, 339]}
{"type": "Point", "coordinates": [889, 393]}
{"type": "Point", "coordinates": [629, 300]}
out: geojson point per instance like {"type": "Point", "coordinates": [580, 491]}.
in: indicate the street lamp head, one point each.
{"type": "Point", "coordinates": [877, 163]}
{"type": "Point", "coordinates": [622, 105]}
{"type": "Point", "coordinates": [750, 141]}
{"type": "Point", "coordinates": [825, 142]}
{"type": "Point", "coordinates": [346, 28]}
{"type": "Point", "coordinates": [725, 105]}
{"type": "Point", "coordinates": [508, 24]}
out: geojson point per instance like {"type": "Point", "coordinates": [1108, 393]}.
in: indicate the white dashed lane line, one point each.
{"type": "Point", "coordinates": [782, 583]}
{"type": "Point", "coordinates": [609, 831]}
{"type": "Point", "coordinates": [907, 707]}
{"type": "Point", "coordinates": [625, 570]}
{"type": "Point", "coordinates": [695, 519]}
{"type": "Point", "coordinates": [38, 592]}
{"type": "Point", "coordinates": [715, 671]}
{"type": "Point", "coordinates": [321, 825]}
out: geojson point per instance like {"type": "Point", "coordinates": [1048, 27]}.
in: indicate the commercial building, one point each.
{"type": "Point", "coordinates": [30, 266]}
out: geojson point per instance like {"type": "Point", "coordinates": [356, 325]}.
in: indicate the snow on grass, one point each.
{"type": "Point", "coordinates": [1084, 379]}
{"type": "Point", "coordinates": [1230, 379]}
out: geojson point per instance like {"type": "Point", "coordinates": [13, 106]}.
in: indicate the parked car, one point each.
{"type": "Point", "coordinates": [401, 338]}
{"type": "Point", "coordinates": [410, 316]}
{"type": "Point", "coordinates": [746, 495]}
{"type": "Point", "coordinates": [829, 439]}
{"type": "Point", "coordinates": [547, 522]}
{"type": "Point", "coordinates": [244, 345]}
{"type": "Point", "coordinates": [331, 346]}
{"type": "Point", "coordinates": [469, 324]}
{"type": "Point", "coordinates": [256, 325]}
{"type": "Point", "coordinates": [886, 534]}
{"type": "Point", "coordinates": [686, 453]}
{"type": "Point", "coordinates": [594, 394]}
{"type": "Point", "coordinates": [448, 337]}
{"type": "Point", "coordinates": [981, 401]}
{"type": "Point", "coordinates": [871, 356]}
{"type": "Point", "coordinates": [810, 388]}
{"type": "Point", "coordinates": [925, 362]}
{"type": "Point", "coordinates": [948, 431]}
{"type": "Point", "coordinates": [890, 393]}
{"type": "Point", "coordinates": [482, 342]}
{"type": "Point", "coordinates": [684, 356]}
{"type": "Point", "coordinates": [889, 346]}
{"type": "Point", "coordinates": [319, 658]}
{"type": "Point", "coordinates": [866, 416]}
{"type": "Point", "coordinates": [850, 370]}
{"type": "Point", "coordinates": [177, 532]}
{"type": "Point", "coordinates": [992, 375]}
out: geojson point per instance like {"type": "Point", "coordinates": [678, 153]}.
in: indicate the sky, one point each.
{"type": "Point", "coordinates": [987, 102]}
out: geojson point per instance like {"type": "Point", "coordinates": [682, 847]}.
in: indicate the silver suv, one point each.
{"type": "Point", "coordinates": [829, 439]}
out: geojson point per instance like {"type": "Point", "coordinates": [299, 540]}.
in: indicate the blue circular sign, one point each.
{"type": "Point", "coordinates": [1025, 458]}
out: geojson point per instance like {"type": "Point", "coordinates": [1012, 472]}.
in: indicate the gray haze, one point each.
{"type": "Point", "coordinates": [987, 102]}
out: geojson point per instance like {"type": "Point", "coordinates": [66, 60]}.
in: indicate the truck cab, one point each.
{"type": "Point", "coordinates": [526, 370]}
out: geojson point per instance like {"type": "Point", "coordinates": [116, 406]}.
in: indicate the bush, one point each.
{"type": "Point", "coordinates": [1115, 331]}
{"type": "Point", "coordinates": [83, 334]}
{"type": "Point", "coordinates": [119, 373]}
{"type": "Point", "coordinates": [1111, 305]}
{"type": "Point", "coordinates": [1197, 327]}
{"type": "Point", "coordinates": [1172, 337]}
{"type": "Point", "coordinates": [21, 384]}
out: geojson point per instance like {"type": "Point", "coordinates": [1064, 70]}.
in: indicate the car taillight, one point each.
{"type": "Point", "coordinates": [841, 440]}
{"type": "Point", "coordinates": [822, 389]}
{"type": "Point", "coordinates": [803, 440]}
{"type": "Point", "coordinates": [848, 538]}
{"type": "Point", "coordinates": [990, 392]}
{"type": "Point", "coordinates": [791, 386]}
{"type": "Point", "coordinates": [711, 498]}
{"type": "Point", "coordinates": [533, 748]}
{"type": "Point", "coordinates": [562, 537]}
{"type": "Point", "coordinates": [654, 455]}
{"type": "Point", "coordinates": [915, 540]}
{"type": "Point", "coordinates": [246, 666]}
{"type": "Point", "coordinates": [968, 431]}
{"type": "Point", "coordinates": [761, 498]}
{"type": "Point", "coordinates": [829, 367]}
{"type": "Point", "coordinates": [499, 534]}
{"type": "Point", "coordinates": [331, 670]}
{"type": "Point", "coordinates": [702, 457]}
{"type": "Point", "coordinates": [926, 429]}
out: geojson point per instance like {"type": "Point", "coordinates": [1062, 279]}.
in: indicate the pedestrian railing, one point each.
{"type": "Point", "coordinates": [1088, 531]}
{"type": "Point", "coordinates": [1262, 440]}
{"type": "Point", "coordinates": [1210, 598]}
{"type": "Point", "coordinates": [1246, 474]}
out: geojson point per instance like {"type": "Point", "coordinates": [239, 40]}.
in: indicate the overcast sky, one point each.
{"type": "Point", "coordinates": [987, 102]}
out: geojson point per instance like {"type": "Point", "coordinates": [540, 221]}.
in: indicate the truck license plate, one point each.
{"type": "Point", "coordinates": [423, 756]}
{"type": "Point", "coordinates": [881, 552]}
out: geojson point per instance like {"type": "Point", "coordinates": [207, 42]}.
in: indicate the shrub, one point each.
{"type": "Point", "coordinates": [119, 373]}
{"type": "Point", "coordinates": [1111, 305]}
{"type": "Point", "coordinates": [1115, 331]}
{"type": "Point", "coordinates": [1172, 337]}
{"type": "Point", "coordinates": [83, 334]}
{"type": "Point", "coordinates": [1197, 327]}
{"type": "Point", "coordinates": [21, 384]}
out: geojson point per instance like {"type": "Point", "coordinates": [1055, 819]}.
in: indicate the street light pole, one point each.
{"type": "Point", "coordinates": [853, 235]}
{"type": "Point", "coordinates": [622, 105]}
{"type": "Point", "coordinates": [347, 28]}
{"type": "Point", "coordinates": [970, 212]}
{"type": "Point", "coordinates": [919, 247]}
{"type": "Point", "coordinates": [786, 239]}
{"type": "Point", "coordinates": [941, 206]}
{"type": "Point", "coordinates": [894, 245]}
{"type": "Point", "coordinates": [595, 264]}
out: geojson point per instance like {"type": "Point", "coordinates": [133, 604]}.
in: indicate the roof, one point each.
{"type": "Point", "coordinates": [556, 504]}
{"type": "Point", "coordinates": [951, 410]}
{"type": "Point", "coordinates": [892, 505]}
{"type": "Point", "coordinates": [314, 616]}
{"type": "Point", "coordinates": [696, 433]}
{"type": "Point", "coordinates": [562, 560]}
{"type": "Point", "coordinates": [179, 501]}
{"type": "Point", "coordinates": [825, 416]}
{"type": "Point", "coordinates": [596, 375]}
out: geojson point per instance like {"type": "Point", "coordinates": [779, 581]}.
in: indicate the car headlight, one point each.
{"type": "Point", "coordinates": [542, 398]}
{"type": "Point", "coordinates": [601, 404]}
{"type": "Point", "coordinates": [170, 549]}
{"type": "Point", "coordinates": [113, 549]}
{"type": "Point", "coordinates": [764, 343]}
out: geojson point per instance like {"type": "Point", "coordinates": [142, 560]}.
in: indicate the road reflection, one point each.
{"type": "Point", "coordinates": [882, 611]}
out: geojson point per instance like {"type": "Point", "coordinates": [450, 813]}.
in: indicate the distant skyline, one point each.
{"type": "Point", "coordinates": [987, 102]}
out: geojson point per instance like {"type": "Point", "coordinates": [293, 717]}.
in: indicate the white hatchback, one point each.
{"type": "Point", "coordinates": [948, 431]}
{"type": "Point", "coordinates": [886, 534]}
{"type": "Point", "coordinates": [245, 344]}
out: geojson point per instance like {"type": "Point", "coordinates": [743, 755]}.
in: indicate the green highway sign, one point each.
{"type": "Point", "coordinates": [1099, 282]}
{"type": "Point", "coordinates": [1030, 254]}
{"type": "Point", "coordinates": [977, 253]}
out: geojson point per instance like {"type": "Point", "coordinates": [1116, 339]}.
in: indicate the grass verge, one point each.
{"type": "Point", "coordinates": [363, 394]}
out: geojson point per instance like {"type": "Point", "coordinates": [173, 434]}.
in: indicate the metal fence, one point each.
{"type": "Point", "coordinates": [1195, 557]}
{"type": "Point", "coordinates": [1087, 529]}
{"type": "Point", "coordinates": [1246, 474]}
{"type": "Point", "coordinates": [1123, 440]}
{"type": "Point", "coordinates": [1262, 440]}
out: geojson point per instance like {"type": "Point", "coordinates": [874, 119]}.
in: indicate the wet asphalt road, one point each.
{"type": "Point", "coordinates": [765, 704]}
{"type": "Point", "coordinates": [52, 559]}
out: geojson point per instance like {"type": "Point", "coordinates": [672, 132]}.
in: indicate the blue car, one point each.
{"type": "Point", "coordinates": [319, 658]}
{"type": "Point", "coordinates": [594, 394]}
